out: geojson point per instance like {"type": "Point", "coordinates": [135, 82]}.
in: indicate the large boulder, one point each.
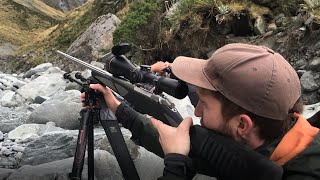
{"type": "Point", "coordinates": [106, 166]}
{"type": "Point", "coordinates": [50, 147]}
{"type": "Point", "coordinates": [44, 85]}
{"type": "Point", "coordinates": [56, 145]}
{"type": "Point", "coordinates": [58, 170]}
{"type": "Point", "coordinates": [26, 131]}
{"type": "Point", "coordinates": [37, 69]}
{"type": "Point", "coordinates": [5, 173]}
{"type": "Point", "coordinates": [62, 109]}
{"type": "Point", "coordinates": [96, 38]}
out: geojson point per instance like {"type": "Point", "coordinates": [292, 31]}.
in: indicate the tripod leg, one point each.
{"type": "Point", "coordinates": [91, 147]}
{"type": "Point", "coordinates": [81, 145]}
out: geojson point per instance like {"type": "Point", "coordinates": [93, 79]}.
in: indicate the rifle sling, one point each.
{"type": "Point", "coordinates": [115, 137]}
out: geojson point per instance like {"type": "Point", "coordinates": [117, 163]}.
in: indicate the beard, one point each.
{"type": "Point", "coordinates": [228, 131]}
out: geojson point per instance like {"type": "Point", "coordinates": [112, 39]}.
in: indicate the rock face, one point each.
{"type": "Point", "coordinates": [96, 38]}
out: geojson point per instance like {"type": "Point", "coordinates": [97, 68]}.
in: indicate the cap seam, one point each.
{"type": "Point", "coordinates": [269, 85]}
{"type": "Point", "coordinates": [205, 75]}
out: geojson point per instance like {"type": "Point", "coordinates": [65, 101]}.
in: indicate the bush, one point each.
{"type": "Point", "coordinates": [139, 14]}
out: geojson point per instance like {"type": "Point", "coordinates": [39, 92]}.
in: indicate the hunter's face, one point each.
{"type": "Point", "coordinates": [209, 109]}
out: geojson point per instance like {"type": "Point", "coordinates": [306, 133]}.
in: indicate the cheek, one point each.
{"type": "Point", "coordinates": [208, 119]}
{"type": "Point", "coordinates": [212, 120]}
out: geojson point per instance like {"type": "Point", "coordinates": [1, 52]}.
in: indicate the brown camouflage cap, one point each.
{"type": "Point", "coordinates": [253, 77]}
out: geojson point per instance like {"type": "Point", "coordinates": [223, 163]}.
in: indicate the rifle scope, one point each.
{"type": "Point", "coordinates": [120, 66]}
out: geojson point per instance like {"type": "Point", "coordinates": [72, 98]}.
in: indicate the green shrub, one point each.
{"type": "Point", "coordinates": [139, 14]}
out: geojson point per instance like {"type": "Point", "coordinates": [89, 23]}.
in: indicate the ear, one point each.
{"type": "Point", "coordinates": [245, 126]}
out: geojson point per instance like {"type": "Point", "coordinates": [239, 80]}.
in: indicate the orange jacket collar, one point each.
{"type": "Point", "coordinates": [294, 141]}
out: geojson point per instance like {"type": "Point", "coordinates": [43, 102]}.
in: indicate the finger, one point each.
{"type": "Point", "coordinates": [156, 123]}
{"type": "Point", "coordinates": [186, 124]}
{"type": "Point", "coordinates": [83, 95]}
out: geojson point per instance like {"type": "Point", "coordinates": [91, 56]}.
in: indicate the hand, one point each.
{"type": "Point", "coordinates": [174, 140]}
{"type": "Point", "coordinates": [159, 66]}
{"type": "Point", "coordinates": [112, 102]}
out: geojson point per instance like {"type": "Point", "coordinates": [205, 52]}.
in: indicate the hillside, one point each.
{"type": "Point", "coordinates": [58, 35]}
{"type": "Point", "coordinates": [158, 31]}
{"type": "Point", "coordinates": [41, 7]}
{"type": "Point", "coordinates": [20, 24]}
{"type": "Point", "coordinates": [65, 5]}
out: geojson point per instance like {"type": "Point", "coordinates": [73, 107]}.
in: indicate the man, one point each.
{"type": "Point", "coordinates": [248, 93]}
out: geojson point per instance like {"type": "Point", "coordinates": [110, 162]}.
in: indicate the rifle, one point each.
{"type": "Point", "coordinates": [137, 85]}
{"type": "Point", "coordinates": [129, 83]}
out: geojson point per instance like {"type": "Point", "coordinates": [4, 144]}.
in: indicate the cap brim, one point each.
{"type": "Point", "coordinates": [190, 70]}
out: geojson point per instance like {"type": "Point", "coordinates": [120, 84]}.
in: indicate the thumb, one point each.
{"type": "Point", "coordinates": [100, 88]}
{"type": "Point", "coordinates": [186, 124]}
{"type": "Point", "coordinates": [97, 87]}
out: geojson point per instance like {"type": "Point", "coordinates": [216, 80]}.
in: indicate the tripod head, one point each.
{"type": "Point", "coordinates": [91, 96]}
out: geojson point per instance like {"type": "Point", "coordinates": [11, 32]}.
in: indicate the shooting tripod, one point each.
{"type": "Point", "coordinates": [96, 111]}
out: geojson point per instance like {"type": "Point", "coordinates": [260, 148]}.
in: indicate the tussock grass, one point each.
{"type": "Point", "coordinates": [41, 7]}
{"type": "Point", "coordinates": [19, 25]}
